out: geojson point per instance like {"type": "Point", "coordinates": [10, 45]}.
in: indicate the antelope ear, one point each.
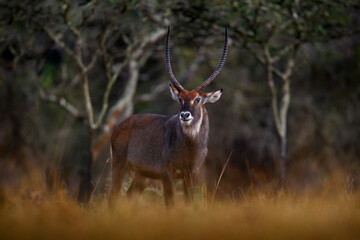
{"type": "Point", "coordinates": [174, 93]}
{"type": "Point", "coordinates": [212, 96]}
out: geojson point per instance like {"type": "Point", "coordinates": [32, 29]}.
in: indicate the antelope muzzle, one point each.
{"type": "Point", "coordinates": [186, 117]}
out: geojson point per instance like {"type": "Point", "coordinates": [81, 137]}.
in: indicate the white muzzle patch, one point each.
{"type": "Point", "coordinates": [186, 120]}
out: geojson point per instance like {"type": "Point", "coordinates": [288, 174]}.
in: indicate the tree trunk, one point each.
{"type": "Point", "coordinates": [282, 144]}
{"type": "Point", "coordinates": [86, 183]}
{"type": "Point", "coordinates": [284, 109]}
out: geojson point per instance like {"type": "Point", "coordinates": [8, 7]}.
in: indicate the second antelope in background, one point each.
{"type": "Point", "coordinates": [163, 147]}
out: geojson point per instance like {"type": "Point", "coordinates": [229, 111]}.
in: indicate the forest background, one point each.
{"type": "Point", "coordinates": [288, 118]}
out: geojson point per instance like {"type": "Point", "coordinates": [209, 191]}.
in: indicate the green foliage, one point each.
{"type": "Point", "coordinates": [47, 75]}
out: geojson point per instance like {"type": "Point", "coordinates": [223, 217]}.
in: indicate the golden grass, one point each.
{"type": "Point", "coordinates": [258, 216]}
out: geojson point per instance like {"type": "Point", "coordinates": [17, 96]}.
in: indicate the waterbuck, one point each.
{"type": "Point", "coordinates": [163, 147]}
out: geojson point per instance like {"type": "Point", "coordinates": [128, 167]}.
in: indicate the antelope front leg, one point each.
{"type": "Point", "coordinates": [189, 185]}
{"type": "Point", "coordinates": [118, 171]}
{"type": "Point", "coordinates": [168, 186]}
{"type": "Point", "coordinates": [137, 186]}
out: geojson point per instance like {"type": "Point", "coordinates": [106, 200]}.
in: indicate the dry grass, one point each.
{"type": "Point", "coordinates": [260, 215]}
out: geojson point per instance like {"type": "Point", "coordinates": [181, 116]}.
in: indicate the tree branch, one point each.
{"type": "Point", "coordinates": [128, 94]}
{"type": "Point", "coordinates": [89, 5]}
{"type": "Point", "coordinates": [135, 56]}
{"type": "Point", "coordinates": [149, 40]}
{"type": "Point", "coordinates": [102, 42]}
{"type": "Point", "coordinates": [286, 79]}
{"type": "Point", "coordinates": [295, 19]}
{"type": "Point", "coordinates": [255, 53]}
{"type": "Point", "coordinates": [291, 63]}
{"type": "Point", "coordinates": [201, 57]}
{"type": "Point", "coordinates": [56, 39]}
{"type": "Point", "coordinates": [277, 72]}
{"type": "Point", "coordinates": [147, 97]}
{"type": "Point", "coordinates": [273, 91]}
{"type": "Point", "coordinates": [281, 53]}
{"type": "Point", "coordinates": [84, 78]}
{"type": "Point", "coordinates": [62, 102]}
{"type": "Point", "coordinates": [72, 28]}
{"type": "Point", "coordinates": [87, 98]}
{"type": "Point", "coordinates": [109, 86]}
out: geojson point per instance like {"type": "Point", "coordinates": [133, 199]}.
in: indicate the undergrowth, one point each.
{"type": "Point", "coordinates": [333, 213]}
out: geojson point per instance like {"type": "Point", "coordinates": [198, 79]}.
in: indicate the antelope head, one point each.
{"type": "Point", "coordinates": [192, 102]}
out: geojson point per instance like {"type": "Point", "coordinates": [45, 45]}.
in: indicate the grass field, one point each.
{"type": "Point", "coordinates": [331, 214]}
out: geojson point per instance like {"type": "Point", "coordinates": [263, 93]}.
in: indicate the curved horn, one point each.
{"type": "Point", "coordinates": [219, 67]}
{"type": "Point", "coordinates": [168, 64]}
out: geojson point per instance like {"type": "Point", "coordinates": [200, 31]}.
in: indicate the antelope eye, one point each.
{"type": "Point", "coordinates": [197, 100]}
{"type": "Point", "coordinates": [180, 100]}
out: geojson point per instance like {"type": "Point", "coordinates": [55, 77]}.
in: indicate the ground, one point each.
{"type": "Point", "coordinates": [333, 213]}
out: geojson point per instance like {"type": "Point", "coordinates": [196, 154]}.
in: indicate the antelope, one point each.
{"type": "Point", "coordinates": [165, 147]}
